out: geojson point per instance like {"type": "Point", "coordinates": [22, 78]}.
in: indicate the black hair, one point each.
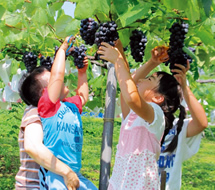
{"type": "Point", "coordinates": [172, 92]}
{"type": "Point", "coordinates": [30, 87]}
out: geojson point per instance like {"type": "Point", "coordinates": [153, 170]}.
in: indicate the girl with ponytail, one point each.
{"type": "Point", "coordinates": [148, 105]}
{"type": "Point", "coordinates": [182, 138]}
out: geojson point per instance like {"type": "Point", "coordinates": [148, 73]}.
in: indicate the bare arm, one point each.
{"type": "Point", "coordinates": [57, 72]}
{"type": "Point", "coordinates": [33, 145]}
{"type": "Point", "coordinates": [199, 120]}
{"type": "Point", "coordinates": [142, 71]}
{"type": "Point", "coordinates": [82, 87]}
{"type": "Point", "coordinates": [124, 107]}
{"type": "Point", "coordinates": [127, 85]}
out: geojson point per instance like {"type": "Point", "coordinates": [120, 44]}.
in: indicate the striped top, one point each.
{"type": "Point", "coordinates": [27, 176]}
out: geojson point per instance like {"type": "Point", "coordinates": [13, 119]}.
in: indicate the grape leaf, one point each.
{"type": "Point", "coordinates": [135, 13]}
{"type": "Point", "coordinates": [207, 6]}
{"type": "Point", "coordinates": [66, 25]}
{"type": "Point", "coordinates": [40, 16]}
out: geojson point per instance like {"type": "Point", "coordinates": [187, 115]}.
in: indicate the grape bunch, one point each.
{"type": "Point", "coordinates": [107, 32]}
{"type": "Point", "coordinates": [137, 43]}
{"type": "Point", "coordinates": [175, 52]}
{"type": "Point", "coordinates": [30, 61]}
{"type": "Point", "coordinates": [88, 30]}
{"type": "Point", "coordinates": [79, 54]}
{"type": "Point", "coordinates": [46, 61]}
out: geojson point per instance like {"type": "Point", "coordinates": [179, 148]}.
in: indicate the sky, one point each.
{"type": "Point", "coordinates": [69, 8]}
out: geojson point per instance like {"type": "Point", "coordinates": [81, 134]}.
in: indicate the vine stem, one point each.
{"type": "Point", "coordinates": [92, 59]}
{"type": "Point", "coordinates": [110, 15]}
{"type": "Point", "coordinates": [97, 19]}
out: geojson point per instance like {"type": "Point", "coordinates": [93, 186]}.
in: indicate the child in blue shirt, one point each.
{"type": "Point", "coordinates": [60, 117]}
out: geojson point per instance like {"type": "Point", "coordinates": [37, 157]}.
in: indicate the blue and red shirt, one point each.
{"type": "Point", "coordinates": [62, 128]}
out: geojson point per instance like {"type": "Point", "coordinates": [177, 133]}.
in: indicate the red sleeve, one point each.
{"type": "Point", "coordinates": [46, 108]}
{"type": "Point", "coordinates": [75, 100]}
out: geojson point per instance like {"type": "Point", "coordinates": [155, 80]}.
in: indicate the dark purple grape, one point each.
{"type": "Point", "coordinates": [175, 52]}
{"type": "Point", "coordinates": [30, 61]}
{"type": "Point", "coordinates": [79, 54]}
{"type": "Point", "coordinates": [88, 30]}
{"type": "Point", "coordinates": [137, 43]}
{"type": "Point", "coordinates": [107, 32]}
{"type": "Point", "coordinates": [46, 61]}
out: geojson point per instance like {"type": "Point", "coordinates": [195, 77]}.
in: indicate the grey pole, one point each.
{"type": "Point", "coordinates": [107, 136]}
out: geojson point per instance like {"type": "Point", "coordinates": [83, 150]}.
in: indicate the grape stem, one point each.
{"type": "Point", "coordinates": [97, 19]}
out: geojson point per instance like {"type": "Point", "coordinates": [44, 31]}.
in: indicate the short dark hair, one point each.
{"type": "Point", "coordinates": [30, 87]}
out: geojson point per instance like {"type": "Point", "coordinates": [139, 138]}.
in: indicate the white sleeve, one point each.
{"type": "Point", "coordinates": [189, 146]}
{"type": "Point", "coordinates": [158, 124]}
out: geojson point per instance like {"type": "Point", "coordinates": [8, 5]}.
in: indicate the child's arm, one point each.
{"type": "Point", "coordinates": [82, 87]}
{"type": "Point", "coordinates": [199, 120]}
{"type": "Point", "coordinates": [34, 146]}
{"type": "Point", "coordinates": [124, 107]}
{"type": "Point", "coordinates": [141, 72]}
{"type": "Point", "coordinates": [57, 72]}
{"type": "Point", "coordinates": [146, 68]}
{"type": "Point", "coordinates": [127, 85]}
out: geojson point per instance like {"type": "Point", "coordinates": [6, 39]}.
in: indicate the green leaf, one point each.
{"type": "Point", "coordinates": [12, 19]}
{"type": "Point", "coordinates": [91, 7]}
{"type": "Point", "coordinates": [40, 16]}
{"type": "Point", "coordinates": [12, 37]}
{"type": "Point", "coordinates": [207, 6]}
{"type": "Point", "coordinates": [135, 13]}
{"type": "Point", "coordinates": [2, 40]}
{"type": "Point", "coordinates": [191, 8]}
{"type": "Point", "coordinates": [11, 5]}
{"type": "Point", "coordinates": [123, 36]}
{"type": "Point", "coordinates": [121, 6]}
{"type": "Point", "coordinates": [205, 35]}
{"type": "Point", "coordinates": [2, 10]}
{"type": "Point", "coordinates": [66, 25]}
{"type": "Point", "coordinates": [202, 56]}
{"type": "Point", "coordinates": [40, 3]}
{"type": "Point", "coordinates": [43, 30]}
{"type": "Point", "coordinates": [192, 11]}
{"type": "Point", "coordinates": [149, 46]}
{"type": "Point", "coordinates": [35, 38]}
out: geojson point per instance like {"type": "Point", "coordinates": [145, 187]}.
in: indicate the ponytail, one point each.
{"type": "Point", "coordinates": [171, 147]}
{"type": "Point", "coordinates": [172, 92]}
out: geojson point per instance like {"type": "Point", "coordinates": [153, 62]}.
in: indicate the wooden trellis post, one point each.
{"type": "Point", "coordinates": [107, 137]}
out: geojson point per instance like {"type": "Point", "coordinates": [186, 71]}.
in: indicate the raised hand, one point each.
{"type": "Point", "coordinates": [159, 54]}
{"type": "Point", "coordinates": [85, 63]}
{"type": "Point", "coordinates": [181, 74]}
{"type": "Point", "coordinates": [66, 42]}
{"type": "Point", "coordinates": [109, 53]}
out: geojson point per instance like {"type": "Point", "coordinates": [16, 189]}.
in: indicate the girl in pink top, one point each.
{"type": "Point", "coordinates": [146, 103]}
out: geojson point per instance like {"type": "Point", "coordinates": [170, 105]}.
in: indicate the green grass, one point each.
{"type": "Point", "coordinates": [198, 172]}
